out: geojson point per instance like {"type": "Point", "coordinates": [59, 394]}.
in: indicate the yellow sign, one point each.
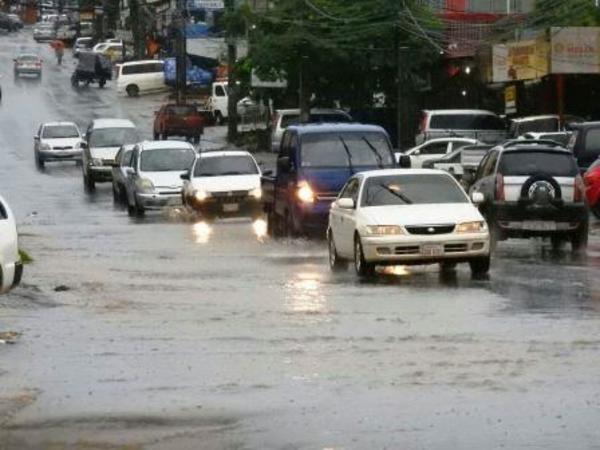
{"type": "Point", "coordinates": [525, 60]}
{"type": "Point", "coordinates": [510, 99]}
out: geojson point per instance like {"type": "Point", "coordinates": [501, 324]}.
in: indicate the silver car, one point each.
{"type": "Point", "coordinates": [119, 173]}
{"type": "Point", "coordinates": [57, 141]}
{"type": "Point", "coordinates": [44, 31]}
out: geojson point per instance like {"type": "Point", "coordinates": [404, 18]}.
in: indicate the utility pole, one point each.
{"type": "Point", "coordinates": [181, 52]}
{"type": "Point", "coordinates": [400, 96]}
{"type": "Point", "coordinates": [231, 84]}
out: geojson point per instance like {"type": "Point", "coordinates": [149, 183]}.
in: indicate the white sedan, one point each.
{"type": "Point", "coordinates": [435, 149]}
{"type": "Point", "coordinates": [406, 216]}
{"type": "Point", "coordinates": [11, 268]}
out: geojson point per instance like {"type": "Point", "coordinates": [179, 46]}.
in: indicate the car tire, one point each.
{"type": "Point", "coordinates": [88, 184]}
{"type": "Point", "coordinates": [102, 82]}
{"type": "Point", "coordinates": [132, 90]}
{"type": "Point", "coordinates": [363, 268]}
{"type": "Point", "coordinates": [336, 264]}
{"type": "Point", "coordinates": [579, 239]}
{"type": "Point", "coordinates": [139, 210]}
{"type": "Point", "coordinates": [480, 266]}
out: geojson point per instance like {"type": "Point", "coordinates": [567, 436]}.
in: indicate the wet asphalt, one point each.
{"type": "Point", "coordinates": [165, 334]}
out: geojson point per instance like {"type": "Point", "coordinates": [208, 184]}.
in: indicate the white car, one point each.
{"type": "Point", "coordinates": [57, 141]}
{"type": "Point", "coordinates": [154, 178]}
{"type": "Point", "coordinates": [224, 183]}
{"type": "Point", "coordinates": [435, 149]}
{"type": "Point", "coordinates": [406, 216]}
{"type": "Point", "coordinates": [136, 77]}
{"type": "Point", "coordinates": [11, 268]}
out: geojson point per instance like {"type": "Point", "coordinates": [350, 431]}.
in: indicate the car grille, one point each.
{"type": "Point", "coordinates": [430, 229]}
{"type": "Point", "coordinates": [63, 148]}
{"type": "Point", "coordinates": [231, 196]}
{"type": "Point", "coordinates": [455, 248]}
{"type": "Point", "coordinates": [407, 250]}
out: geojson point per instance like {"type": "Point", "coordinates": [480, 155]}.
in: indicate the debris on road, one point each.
{"type": "Point", "coordinates": [8, 337]}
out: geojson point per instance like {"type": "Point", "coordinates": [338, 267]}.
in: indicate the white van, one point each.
{"type": "Point", "coordinates": [137, 77]}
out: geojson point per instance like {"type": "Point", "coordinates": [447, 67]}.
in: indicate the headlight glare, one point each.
{"type": "Point", "coordinates": [384, 230]}
{"type": "Point", "coordinates": [256, 193]}
{"type": "Point", "coordinates": [470, 227]}
{"type": "Point", "coordinates": [201, 195]}
{"type": "Point", "coordinates": [305, 193]}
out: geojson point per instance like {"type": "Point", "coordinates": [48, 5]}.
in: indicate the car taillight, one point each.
{"type": "Point", "coordinates": [499, 187]}
{"type": "Point", "coordinates": [578, 194]}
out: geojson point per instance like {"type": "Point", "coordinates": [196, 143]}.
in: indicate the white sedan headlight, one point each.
{"type": "Point", "coordinates": [256, 193]}
{"type": "Point", "coordinates": [201, 195]}
{"type": "Point", "coordinates": [145, 185]}
{"type": "Point", "coordinates": [45, 147]}
{"type": "Point", "coordinates": [470, 227]}
{"type": "Point", "coordinates": [384, 230]}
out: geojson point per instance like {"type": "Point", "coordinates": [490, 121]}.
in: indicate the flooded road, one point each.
{"type": "Point", "coordinates": [166, 333]}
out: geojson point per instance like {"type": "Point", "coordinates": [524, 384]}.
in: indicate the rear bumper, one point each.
{"type": "Point", "coordinates": [28, 71]}
{"type": "Point", "coordinates": [418, 249]}
{"type": "Point", "coordinates": [520, 219]}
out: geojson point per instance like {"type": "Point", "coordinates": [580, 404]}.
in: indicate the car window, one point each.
{"type": "Point", "coordinates": [130, 69]}
{"type": "Point", "coordinates": [522, 163]}
{"type": "Point", "coordinates": [459, 144]}
{"type": "Point", "coordinates": [126, 158]}
{"type": "Point", "coordinates": [60, 131]}
{"type": "Point", "coordinates": [490, 164]}
{"type": "Point", "coordinates": [351, 190]}
{"type": "Point", "coordinates": [411, 190]}
{"type": "Point", "coordinates": [466, 122]}
{"type": "Point", "coordinates": [350, 149]}
{"type": "Point", "coordinates": [548, 124]}
{"type": "Point", "coordinates": [28, 58]}
{"type": "Point", "coordinates": [213, 166]}
{"type": "Point", "coordinates": [166, 159]}
{"type": "Point", "coordinates": [289, 119]}
{"type": "Point", "coordinates": [112, 137]}
{"type": "Point", "coordinates": [220, 91]}
{"type": "Point", "coordinates": [436, 148]}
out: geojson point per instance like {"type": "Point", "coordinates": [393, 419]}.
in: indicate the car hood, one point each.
{"type": "Point", "coordinates": [431, 214]}
{"type": "Point", "coordinates": [62, 142]}
{"type": "Point", "coordinates": [104, 152]}
{"type": "Point", "coordinates": [170, 179]}
{"type": "Point", "coordinates": [226, 183]}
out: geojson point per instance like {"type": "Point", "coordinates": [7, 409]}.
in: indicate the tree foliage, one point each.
{"type": "Point", "coordinates": [571, 13]}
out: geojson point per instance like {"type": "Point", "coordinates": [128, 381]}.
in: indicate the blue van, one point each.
{"type": "Point", "coordinates": [314, 162]}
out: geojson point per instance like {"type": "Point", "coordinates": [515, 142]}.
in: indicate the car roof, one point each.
{"type": "Point", "coordinates": [389, 172]}
{"type": "Point", "coordinates": [585, 125]}
{"type": "Point", "coordinates": [112, 123]}
{"type": "Point", "coordinates": [312, 111]}
{"type": "Point", "coordinates": [450, 139]}
{"type": "Point", "coordinates": [458, 111]}
{"type": "Point", "coordinates": [530, 147]}
{"type": "Point", "coordinates": [143, 61]}
{"type": "Point", "coordinates": [216, 154]}
{"type": "Point", "coordinates": [316, 128]}
{"type": "Point", "coordinates": [533, 118]}
{"type": "Point", "coordinates": [160, 145]}
{"type": "Point", "coordinates": [57, 124]}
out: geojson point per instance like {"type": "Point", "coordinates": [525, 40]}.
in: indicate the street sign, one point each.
{"type": "Point", "coordinates": [206, 4]}
{"type": "Point", "coordinates": [510, 99]}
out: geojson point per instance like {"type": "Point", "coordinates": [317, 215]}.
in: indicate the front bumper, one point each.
{"type": "Point", "coordinates": [100, 173]}
{"type": "Point", "coordinates": [225, 207]}
{"type": "Point", "coordinates": [518, 219]}
{"type": "Point", "coordinates": [158, 200]}
{"type": "Point", "coordinates": [422, 249]}
{"type": "Point", "coordinates": [59, 155]}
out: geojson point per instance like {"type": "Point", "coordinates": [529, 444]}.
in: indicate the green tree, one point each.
{"type": "Point", "coordinates": [561, 13]}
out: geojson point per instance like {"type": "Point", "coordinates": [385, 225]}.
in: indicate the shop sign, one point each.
{"type": "Point", "coordinates": [575, 50]}
{"type": "Point", "coordinates": [510, 99]}
{"type": "Point", "coordinates": [524, 60]}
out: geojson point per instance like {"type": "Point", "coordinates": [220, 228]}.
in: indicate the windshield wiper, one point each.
{"type": "Point", "coordinates": [375, 152]}
{"type": "Point", "coordinates": [401, 196]}
{"type": "Point", "coordinates": [347, 150]}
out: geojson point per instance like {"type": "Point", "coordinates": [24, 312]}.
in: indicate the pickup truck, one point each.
{"type": "Point", "coordinates": [313, 164]}
{"type": "Point", "coordinates": [178, 120]}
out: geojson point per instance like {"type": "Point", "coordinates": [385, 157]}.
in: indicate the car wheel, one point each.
{"type": "Point", "coordinates": [363, 268]}
{"type": "Point", "coordinates": [130, 210]}
{"type": "Point", "coordinates": [480, 266]}
{"type": "Point", "coordinates": [579, 240]}
{"type": "Point", "coordinates": [132, 90]}
{"type": "Point", "coordinates": [88, 184]}
{"type": "Point", "coordinates": [596, 210]}
{"type": "Point", "coordinates": [336, 264]}
{"type": "Point", "coordinates": [139, 210]}
{"type": "Point", "coordinates": [102, 82]}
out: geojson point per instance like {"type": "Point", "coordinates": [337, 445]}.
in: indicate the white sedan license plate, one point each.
{"type": "Point", "coordinates": [432, 250]}
{"type": "Point", "coordinates": [539, 225]}
{"type": "Point", "coordinates": [231, 207]}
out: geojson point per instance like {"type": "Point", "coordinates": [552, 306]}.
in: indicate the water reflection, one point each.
{"type": "Point", "coordinates": [305, 294]}
{"type": "Point", "coordinates": [202, 232]}
{"type": "Point", "coordinates": [259, 227]}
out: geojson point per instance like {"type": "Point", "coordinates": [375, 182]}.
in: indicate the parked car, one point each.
{"type": "Point", "coordinates": [82, 44]}
{"type": "Point", "coordinates": [561, 137]}
{"type": "Point", "coordinates": [178, 120]}
{"type": "Point", "coordinates": [592, 187]}
{"type": "Point", "coordinates": [137, 77]}
{"type": "Point", "coordinates": [6, 23]}
{"type": "Point", "coordinates": [585, 143]}
{"type": "Point", "coordinates": [11, 267]}
{"type": "Point", "coordinates": [436, 148]}
{"type": "Point", "coordinates": [406, 216]}
{"type": "Point", "coordinates": [533, 190]}
{"type": "Point", "coordinates": [461, 163]}
{"type": "Point", "coordinates": [86, 29]}
{"type": "Point", "coordinates": [111, 50]}
{"type": "Point", "coordinates": [224, 183]}
{"type": "Point", "coordinates": [45, 31]}
{"type": "Point", "coordinates": [28, 64]}
{"type": "Point", "coordinates": [314, 162]}
{"type": "Point", "coordinates": [57, 141]}
{"type": "Point", "coordinates": [548, 123]}
{"type": "Point", "coordinates": [103, 139]}
{"type": "Point", "coordinates": [485, 126]}
{"type": "Point", "coordinates": [16, 20]}
{"type": "Point", "coordinates": [283, 118]}
{"type": "Point", "coordinates": [91, 68]}
{"type": "Point", "coordinates": [120, 173]}
{"type": "Point", "coordinates": [154, 178]}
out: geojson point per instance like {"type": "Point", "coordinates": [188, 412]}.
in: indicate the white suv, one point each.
{"type": "Point", "coordinates": [11, 268]}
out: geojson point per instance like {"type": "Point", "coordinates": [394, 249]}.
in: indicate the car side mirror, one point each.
{"type": "Point", "coordinates": [477, 198]}
{"type": "Point", "coordinates": [345, 203]}
{"type": "Point", "coordinates": [185, 176]}
{"type": "Point", "coordinates": [36, 138]}
{"type": "Point", "coordinates": [283, 163]}
{"type": "Point", "coordinates": [404, 161]}
{"type": "Point", "coordinates": [129, 171]}
{"type": "Point", "coordinates": [83, 145]}
{"type": "Point", "coordinates": [267, 173]}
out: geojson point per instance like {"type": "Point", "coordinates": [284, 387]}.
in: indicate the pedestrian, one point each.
{"type": "Point", "coordinates": [59, 50]}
